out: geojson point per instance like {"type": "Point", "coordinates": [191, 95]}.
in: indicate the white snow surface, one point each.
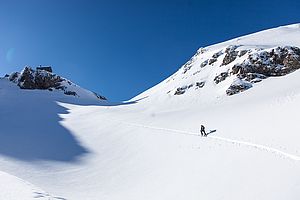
{"type": "Point", "coordinates": [13, 188]}
{"type": "Point", "coordinates": [149, 148]}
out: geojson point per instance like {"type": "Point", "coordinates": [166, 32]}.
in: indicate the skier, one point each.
{"type": "Point", "coordinates": [202, 130]}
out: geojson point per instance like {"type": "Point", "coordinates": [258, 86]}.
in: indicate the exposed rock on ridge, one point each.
{"type": "Point", "coordinates": [41, 79]}
{"type": "Point", "coordinates": [245, 66]}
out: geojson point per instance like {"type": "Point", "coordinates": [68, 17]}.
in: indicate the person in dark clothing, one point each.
{"type": "Point", "coordinates": [202, 130]}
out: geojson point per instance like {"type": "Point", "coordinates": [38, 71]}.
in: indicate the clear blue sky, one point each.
{"type": "Point", "coordinates": [121, 48]}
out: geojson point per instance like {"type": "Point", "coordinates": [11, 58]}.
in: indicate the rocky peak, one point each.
{"type": "Point", "coordinates": [43, 79]}
{"type": "Point", "coordinates": [37, 79]}
{"type": "Point", "coordinates": [244, 66]}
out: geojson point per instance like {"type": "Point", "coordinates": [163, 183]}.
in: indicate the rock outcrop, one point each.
{"type": "Point", "coordinates": [38, 79]}
{"type": "Point", "coordinates": [221, 77]}
{"type": "Point", "coordinates": [274, 62]}
{"type": "Point", "coordinates": [246, 66]}
{"type": "Point", "coordinates": [238, 86]}
{"type": "Point", "coordinates": [262, 64]}
{"type": "Point", "coordinates": [230, 55]}
{"type": "Point", "coordinates": [43, 79]}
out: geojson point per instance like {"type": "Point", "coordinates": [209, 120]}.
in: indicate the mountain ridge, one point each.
{"type": "Point", "coordinates": [246, 59]}
{"type": "Point", "coordinates": [44, 79]}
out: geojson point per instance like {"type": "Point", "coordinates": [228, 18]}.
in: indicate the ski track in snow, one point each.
{"type": "Point", "coordinates": [232, 141]}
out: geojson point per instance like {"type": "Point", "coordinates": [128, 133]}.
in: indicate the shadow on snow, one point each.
{"type": "Point", "coordinates": [30, 128]}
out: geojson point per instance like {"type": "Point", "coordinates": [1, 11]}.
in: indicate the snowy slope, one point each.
{"type": "Point", "coordinates": [150, 148]}
{"type": "Point", "coordinates": [13, 188]}
{"type": "Point", "coordinates": [209, 74]}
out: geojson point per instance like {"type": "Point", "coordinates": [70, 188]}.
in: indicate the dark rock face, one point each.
{"type": "Point", "coordinates": [70, 93]}
{"type": "Point", "coordinates": [44, 80]}
{"type": "Point", "coordinates": [180, 90]}
{"type": "Point", "coordinates": [211, 61]}
{"type": "Point", "coordinates": [14, 76]}
{"type": "Point", "coordinates": [221, 77]}
{"type": "Point", "coordinates": [26, 79]}
{"type": "Point", "coordinates": [183, 89]}
{"type": "Point", "coordinates": [278, 61]}
{"type": "Point", "coordinates": [200, 84]}
{"type": "Point", "coordinates": [230, 55]}
{"type": "Point", "coordinates": [242, 53]}
{"type": "Point", "coordinates": [99, 96]}
{"type": "Point", "coordinates": [30, 79]}
{"type": "Point", "coordinates": [253, 77]}
{"type": "Point", "coordinates": [203, 64]}
{"type": "Point", "coordinates": [246, 66]}
{"type": "Point", "coordinates": [238, 87]}
{"type": "Point", "coordinates": [292, 60]}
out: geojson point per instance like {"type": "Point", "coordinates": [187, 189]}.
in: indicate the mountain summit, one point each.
{"type": "Point", "coordinates": [42, 78]}
{"type": "Point", "coordinates": [234, 66]}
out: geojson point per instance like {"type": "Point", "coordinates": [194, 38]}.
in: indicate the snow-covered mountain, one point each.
{"type": "Point", "coordinates": [245, 91]}
{"type": "Point", "coordinates": [43, 79]}
{"type": "Point", "coordinates": [233, 66]}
